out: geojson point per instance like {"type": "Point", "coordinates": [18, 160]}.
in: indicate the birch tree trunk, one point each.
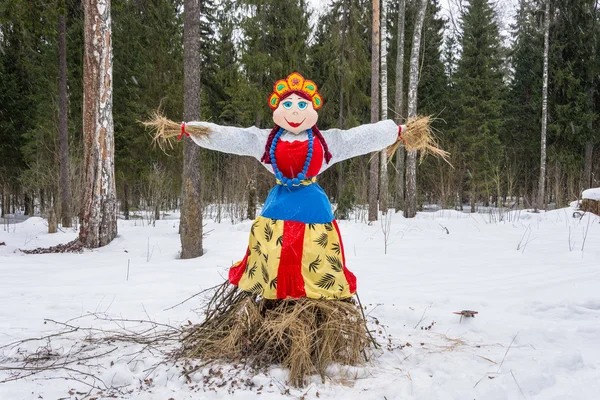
{"type": "Point", "coordinates": [383, 187]}
{"type": "Point", "coordinates": [374, 167]}
{"type": "Point", "coordinates": [65, 184]}
{"type": "Point", "coordinates": [191, 209]}
{"type": "Point", "coordinates": [541, 203]}
{"type": "Point", "coordinates": [399, 106]}
{"type": "Point", "coordinates": [342, 67]}
{"type": "Point", "coordinates": [413, 83]}
{"type": "Point", "coordinates": [99, 211]}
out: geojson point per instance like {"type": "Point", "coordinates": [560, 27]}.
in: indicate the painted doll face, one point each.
{"type": "Point", "coordinates": [295, 114]}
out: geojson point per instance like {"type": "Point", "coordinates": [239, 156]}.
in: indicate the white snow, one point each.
{"type": "Point", "coordinates": [533, 278]}
{"type": "Point", "coordinates": [591, 194]}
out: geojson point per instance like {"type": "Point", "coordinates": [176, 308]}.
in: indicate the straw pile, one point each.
{"type": "Point", "coordinates": [303, 335]}
{"type": "Point", "coordinates": [163, 130]}
{"type": "Point", "coordinates": [589, 205]}
{"type": "Point", "coordinates": [419, 136]}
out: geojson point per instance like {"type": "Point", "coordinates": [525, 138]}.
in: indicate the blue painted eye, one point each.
{"type": "Point", "coordinates": [287, 105]}
{"type": "Point", "coordinates": [302, 105]}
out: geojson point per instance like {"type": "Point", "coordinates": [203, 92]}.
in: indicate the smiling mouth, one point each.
{"type": "Point", "coordinates": [293, 124]}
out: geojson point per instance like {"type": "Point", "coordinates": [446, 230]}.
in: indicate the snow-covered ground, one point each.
{"type": "Point", "coordinates": [533, 278]}
{"type": "Point", "coordinates": [591, 194]}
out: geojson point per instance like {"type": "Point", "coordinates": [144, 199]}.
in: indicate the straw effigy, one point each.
{"type": "Point", "coordinates": [303, 335]}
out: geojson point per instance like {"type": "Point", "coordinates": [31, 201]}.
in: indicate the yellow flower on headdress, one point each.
{"type": "Point", "coordinates": [295, 83]}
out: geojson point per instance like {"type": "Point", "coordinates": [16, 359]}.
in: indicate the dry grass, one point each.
{"type": "Point", "coordinates": [303, 335]}
{"type": "Point", "coordinates": [419, 136]}
{"type": "Point", "coordinates": [164, 130]}
{"type": "Point", "coordinates": [589, 205]}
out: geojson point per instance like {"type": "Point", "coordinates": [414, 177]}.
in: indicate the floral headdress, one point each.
{"type": "Point", "coordinates": [295, 83]}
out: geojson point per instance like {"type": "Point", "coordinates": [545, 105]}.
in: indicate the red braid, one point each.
{"type": "Point", "coordinates": [266, 158]}
{"type": "Point", "coordinates": [319, 136]}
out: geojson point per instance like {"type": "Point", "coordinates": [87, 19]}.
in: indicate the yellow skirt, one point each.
{"type": "Point", "coordinates": [288, 259]}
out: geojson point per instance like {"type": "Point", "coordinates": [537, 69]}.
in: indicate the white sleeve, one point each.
{"type": "Point", "coordinates": [363, 139]}
{"type": "Point", "coordinates": [229, 139]}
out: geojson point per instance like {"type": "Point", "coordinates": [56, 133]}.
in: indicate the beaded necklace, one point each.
{"type": "Point", "coordinates": [302, 175]}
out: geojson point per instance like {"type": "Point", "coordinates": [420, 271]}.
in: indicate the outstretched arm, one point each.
{"type": "Point", "coordinates": [344, 144]}
{"type": "Point", "coordinates": [228, 139]}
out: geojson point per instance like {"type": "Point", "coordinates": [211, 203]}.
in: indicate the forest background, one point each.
{"type": "Point", "coordinates": [483, 88]}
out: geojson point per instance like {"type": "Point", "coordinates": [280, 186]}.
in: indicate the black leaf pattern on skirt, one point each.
{"type": "Point", "coordinates": [326, 282]}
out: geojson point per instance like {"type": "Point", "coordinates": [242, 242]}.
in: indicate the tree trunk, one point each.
{"type": "Point", "coordinates": [252, 172]}
{"type": "Point", "coordinates": [65, 185]}
{"type": "Point", "coordinates": [191, 211]}
{"type": "Point", "coordinates": [542, 183]}
{"type": "Point", "coordinates": [126, 200]}
{"type": "Point", "coordinates": [374, 167]}
{"type": "Point", "coordinates": [411, 172]}
{"type": "Point", "coordinates": [588, 163]}
{"type": "Point", "coordinates": [52, 221]}
{"type": "Point", "coordinates": [342, 69]}
{"type": "Point", "coordinates": [99, 211]}
{"type": "Point", "coordinates": [399, 104]}
{"type": "Point", "coordinates": [383, 187]}
{"type": "Point", "coordinates": [28, 205]}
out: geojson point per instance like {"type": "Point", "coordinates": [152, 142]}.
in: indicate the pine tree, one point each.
{"type": "Point", "coordinates": [479, 85]}
{"type": "Point", "coordinates": [65, 182]}
{"type": "Point", "coordinates": [191, 215]}
{"type": "Point", "coordinates": [574, 68]}
{"type": "Point", "coordinates": [340, 64]}
{"type": "Point", "coordinates": [435, 177]}
{"type": "Point", "coordinates": [522, 123]}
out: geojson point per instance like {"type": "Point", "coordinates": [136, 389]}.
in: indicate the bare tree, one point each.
{"type": "Point", "coordinates": [383, 188]}
{"type": "Point", "coordinates": [99, 211]}
{"type": "Point", "coordinates": [65, 185]}
{"type": "Point", "coordinates": [413, 83]}
{"type": "Point", "coordinates": [541, 203]}
{"type": "Point", "coordinates": [191, 210]}
{"type": "Point", "coordinates": [399, 104]}
{"type": "Point", "coordinates": [374, 167]}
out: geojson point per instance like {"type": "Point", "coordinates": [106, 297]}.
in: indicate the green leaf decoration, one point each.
{"type": "Point", "coordinates": [252, 271]}
{"type": "Point", "coordinates": [273, 221]}
{"type": "Point", "coordinates": [257, 248]}
{"type": "Point", "coordinates": [336, 247]}
{"type": "Point", "coordinates": [265, 273]}
{"type": "Point", "coordinates": [341, 287]}
{"type": "Point", "coordinates": [329, 227]}
{"type": "Point", "coordinates": [268, 233]}
{"type": "Point", "coordinates": [273, 284]}
{"type": "Point", "coordinates": [266, 257]}
{"type": "Point", "coordinates": [314, 266]}
{"type": "Point", "coordinates": [312, 226]}
{"type": "Point", "coordinates": [280, 241]}
{"type": "Point", "coordinates": [326, 282]}
{"type": "Point", "coordinates": [322, 240]}
{"type": "Point", "coordinates": [336, 263]}
{"type": "Point", "coordinates": [257, 289]}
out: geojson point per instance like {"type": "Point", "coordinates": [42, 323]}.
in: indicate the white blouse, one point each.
{"type": "Point", "coordinates": [342, 144]}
